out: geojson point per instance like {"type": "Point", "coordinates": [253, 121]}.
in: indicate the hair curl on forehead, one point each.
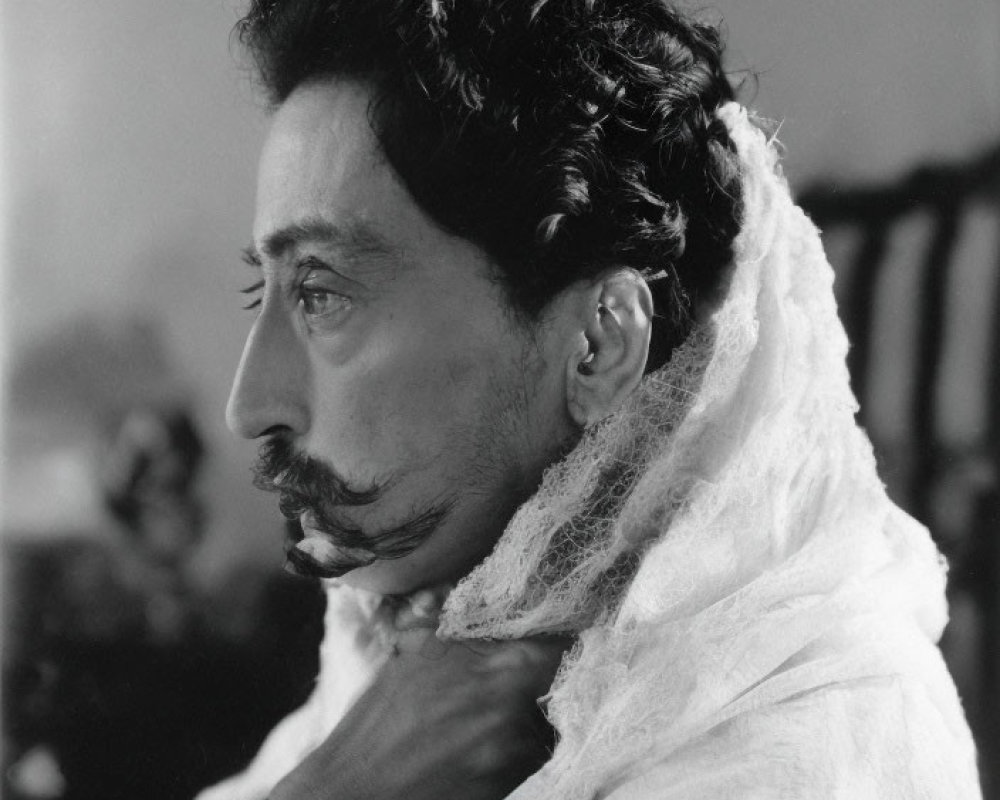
{"type": "Point", "coordinates": [564, 137]}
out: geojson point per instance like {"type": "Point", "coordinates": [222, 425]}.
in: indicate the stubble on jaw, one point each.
{"type": "Point", "coordinates": [504, 453]}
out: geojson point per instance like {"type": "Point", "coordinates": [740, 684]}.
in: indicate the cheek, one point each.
{"type": "Point", "coordinates": [402, 407]}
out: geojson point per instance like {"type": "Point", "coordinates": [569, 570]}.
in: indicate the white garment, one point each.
{"type": "Point", "coordinates": [356, 642]}
{"type": "Point", "coordinates": [756, 619]}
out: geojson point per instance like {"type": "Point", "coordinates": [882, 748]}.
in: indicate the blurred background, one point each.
{"type": "Point", "coordinates": [150, 637]}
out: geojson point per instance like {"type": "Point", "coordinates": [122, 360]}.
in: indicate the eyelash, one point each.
{"type": "Point", "coordinates": [256, 287]}
{"type": "Point", "coordinates": [250, 290]}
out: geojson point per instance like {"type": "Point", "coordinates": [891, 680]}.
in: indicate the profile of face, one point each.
{"type": "Point", "coordinates": [404, 409]}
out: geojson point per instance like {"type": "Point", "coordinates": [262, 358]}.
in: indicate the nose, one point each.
{"type": "Point", "coordinates": [271, 386]}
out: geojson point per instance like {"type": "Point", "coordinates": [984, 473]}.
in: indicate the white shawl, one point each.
{"type": "Point", "coordinates": [756, 618]}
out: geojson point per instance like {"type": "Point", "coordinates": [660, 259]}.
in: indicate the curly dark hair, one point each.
{"type": "Point", "coordinates": [564, 137]}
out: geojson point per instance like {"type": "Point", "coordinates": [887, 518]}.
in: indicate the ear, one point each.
{"type": "Point", "coordinates": [615, 326]}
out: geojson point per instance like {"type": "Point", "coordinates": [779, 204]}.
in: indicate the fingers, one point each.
{"type": "Point", "coordinates": [421, 609]}
{"type": "Point", "coordinates": [421, 612]}
{"type": "Point", "coordinates": [538, 653]}
{"type": "Point", "coordinates": [530, 663]}
{"type": "Point", "coordinates": [550, 646]}
{"type": "Point", "coordinates": [536, 659]}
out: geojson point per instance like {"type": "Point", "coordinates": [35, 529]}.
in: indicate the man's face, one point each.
{"type": "Point", "coordinates": [385, 351]}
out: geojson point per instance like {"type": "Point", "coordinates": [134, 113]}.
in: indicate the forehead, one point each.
{"type": "Point", "coordinates": [322, 162]}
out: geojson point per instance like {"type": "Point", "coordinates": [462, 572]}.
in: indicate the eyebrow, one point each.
{"type": "Point", "coordinates": [354, 240]}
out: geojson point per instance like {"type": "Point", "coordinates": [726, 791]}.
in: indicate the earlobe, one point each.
{"type": "Point", "coordinates": [610, 357]}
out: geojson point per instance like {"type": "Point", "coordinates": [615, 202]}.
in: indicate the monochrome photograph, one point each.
{"type": "Point", "coordinates": [484, 399]}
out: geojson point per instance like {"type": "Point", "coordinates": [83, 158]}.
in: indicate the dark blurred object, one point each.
{"type": "Point", "coordinates": [148, 481]}
{"type": "Point", "coordinates": [121, 677]}
{"type": "Point", "coordinates": [126, 714]}
{"type": "Point", "coordinates": [950, 482]}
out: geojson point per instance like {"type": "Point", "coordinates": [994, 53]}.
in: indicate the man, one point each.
{"type": "Point", "coordinates": [537, 316]}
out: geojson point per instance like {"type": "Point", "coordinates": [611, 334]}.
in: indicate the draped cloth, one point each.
{"type": "Point", "coordinates": [755, 618]}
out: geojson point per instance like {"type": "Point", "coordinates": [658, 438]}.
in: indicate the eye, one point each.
{"type": "Point", "coordinates": [319, 297]}
{"type": "Point", "coordinates": [318, 302]}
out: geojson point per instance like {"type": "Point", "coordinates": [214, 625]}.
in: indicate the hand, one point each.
{"type": "Point", "coordinates": [442, 720]}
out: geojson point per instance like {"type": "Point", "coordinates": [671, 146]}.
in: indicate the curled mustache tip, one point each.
{"type": "Point", "coordinates": [319, 550]}
{"type": "Point", "coordinates": [319, 558]}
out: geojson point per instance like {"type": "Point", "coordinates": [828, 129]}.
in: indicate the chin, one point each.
{"type": "Point", "coordinates": [398, 576]}
{"type": "Point", "coordinates": [384, 577]}
{"type": "Point", "coordinates": [445, 557]}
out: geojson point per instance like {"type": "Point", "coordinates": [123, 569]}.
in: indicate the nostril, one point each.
{"type": "Point", "coordinates": [274, 431]}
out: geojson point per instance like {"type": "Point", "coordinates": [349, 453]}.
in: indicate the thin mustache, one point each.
{"type": "Point", "coordinates": [309, 567]}
{"type": "Point", "coordinates": [304, 482]}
